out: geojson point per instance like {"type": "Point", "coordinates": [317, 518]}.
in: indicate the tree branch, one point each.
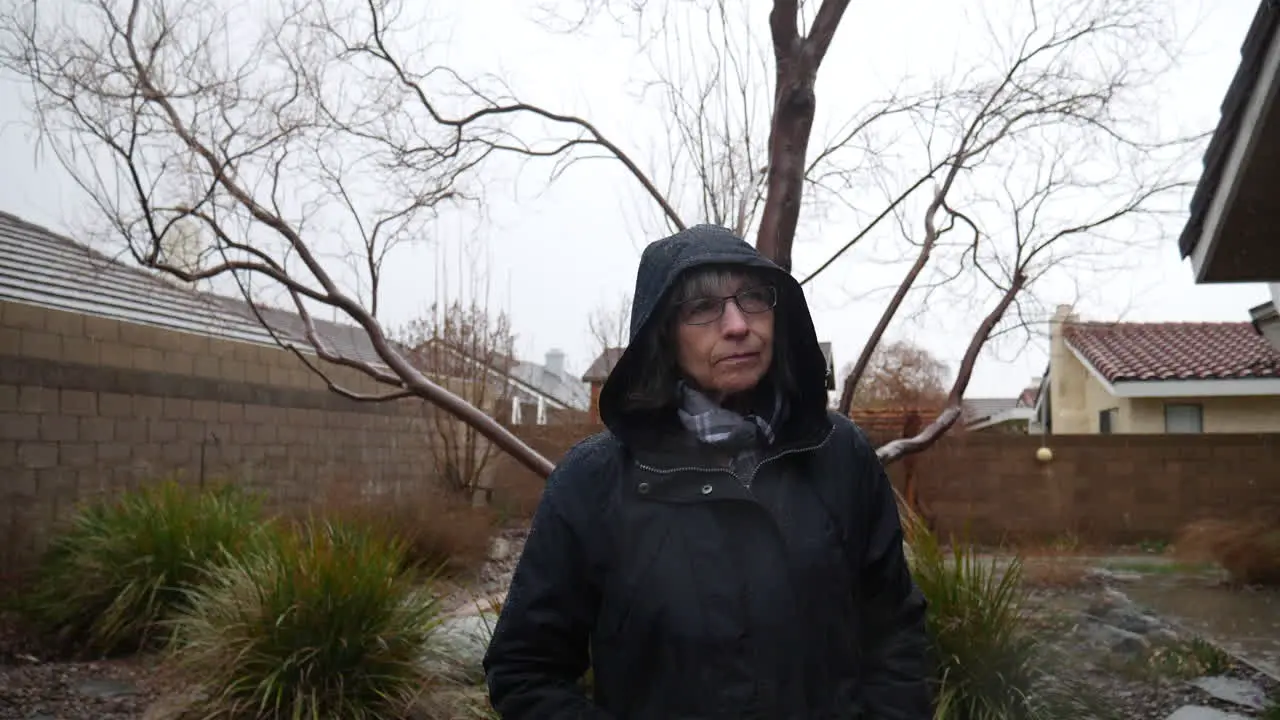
{"type": "Point", "coordinates": [897, 449]}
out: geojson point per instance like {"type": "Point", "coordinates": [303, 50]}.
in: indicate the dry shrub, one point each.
{"type": "Point", "coordinates": [320, 620]}
{"type": "Point", "coordinates": [1248, 550]}
{"type": "Point", "coordinates": [441, 533]}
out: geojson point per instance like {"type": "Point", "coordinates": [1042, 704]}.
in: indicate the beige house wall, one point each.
{"type": "Point", "coordinates": [1258, 414]}
{"type": "Point", "coordinates": [1078, 397]}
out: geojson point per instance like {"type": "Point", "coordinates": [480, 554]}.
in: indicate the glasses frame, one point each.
{"type": "Point", "coordinates": [724, 302]}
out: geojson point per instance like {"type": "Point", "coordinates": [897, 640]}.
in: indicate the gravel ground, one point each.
{"type": "Point", "coordinates": [33, 687]}
{"type": "Point", "coordinates": [1103, 645]}
{"type": "Point", "coordinates": [1096, 635]}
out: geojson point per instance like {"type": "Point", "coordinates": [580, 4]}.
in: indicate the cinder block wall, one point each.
{"type": "Point", "coordinates": [1104, 489]}
{"type": "Point", "coordinates": [89, 405]}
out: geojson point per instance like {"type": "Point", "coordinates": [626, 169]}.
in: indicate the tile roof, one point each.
{"type": "Point", "coordinates": [602, 365]}
{"type": "Point", "coordinates": [343, 339]}
{"type": "Point", "coordinates": [40, 267]}
{"type": "Point", "coordinates": [1174, 351]}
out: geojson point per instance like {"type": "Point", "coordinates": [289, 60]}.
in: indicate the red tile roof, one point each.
{"type": "Point", "coordinates": [1174, 351]}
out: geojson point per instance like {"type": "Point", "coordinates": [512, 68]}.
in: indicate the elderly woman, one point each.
{"type": "Point", "coordinates": [727, 548]}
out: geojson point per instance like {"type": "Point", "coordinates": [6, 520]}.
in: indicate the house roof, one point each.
{"type": "Point", "coordinates": [531, 379]}
{"type": "Point", "coordinates": [40, 267]}
{"type": "Point", "coordinates": [348, 341]}
{"type": "Point", "coordinates": [562, 387]}
{"type": "Point", "coordinates": [1243, 86]}
{"type": "Point", "coordinates": [975, 409]}
{"type": "Point", "coordinates": [603, 365]}
{"type": "Point", "coordinates": [1174, 351]}
{"type": "Point", "coordinates": [1029, 395]}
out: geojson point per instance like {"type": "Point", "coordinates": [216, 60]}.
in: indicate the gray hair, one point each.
{"type": "Point", "coordinates": [711, 280]}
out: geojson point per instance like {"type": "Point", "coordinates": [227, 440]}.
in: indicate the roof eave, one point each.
{"type": "Point", "coordinates": [1249, 86]}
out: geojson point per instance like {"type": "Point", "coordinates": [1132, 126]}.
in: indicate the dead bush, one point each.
{"type": "Point", "coordinates": [1248, 550]}
{"type": "Point", "coordinates": [442, 533]}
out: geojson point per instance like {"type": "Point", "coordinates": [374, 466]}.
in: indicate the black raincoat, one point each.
{"type": "Point", "coordinates": [692, 594]}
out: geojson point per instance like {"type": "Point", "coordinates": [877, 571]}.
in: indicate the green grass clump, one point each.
{"type": "Point", "coordinates": [323, 621]}
{"type": "Point", "coordinates": [111, 577]}
{"type": "Point", "coordinates": [986, 657]}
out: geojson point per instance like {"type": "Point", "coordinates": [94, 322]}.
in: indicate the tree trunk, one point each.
{"type": "Point", "coordinates": [788, 146]}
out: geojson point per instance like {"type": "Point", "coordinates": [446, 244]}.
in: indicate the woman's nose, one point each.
{"type": "Point", "coordinates": [734, 321]}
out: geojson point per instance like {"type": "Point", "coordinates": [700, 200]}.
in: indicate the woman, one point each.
{"type": "Point", "coordinates": [727, 548]}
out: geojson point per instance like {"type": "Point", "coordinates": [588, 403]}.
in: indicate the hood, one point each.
{"type": "Point", "coordinates": [661, 264]}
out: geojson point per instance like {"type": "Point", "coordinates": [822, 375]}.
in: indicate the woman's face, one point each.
{"type": "Point", "coordinates": [725, 353]}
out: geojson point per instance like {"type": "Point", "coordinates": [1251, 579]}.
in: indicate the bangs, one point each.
{"type": "Point", "coordinates": [713, 281]}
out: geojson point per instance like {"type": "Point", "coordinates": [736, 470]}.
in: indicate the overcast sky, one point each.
{"type": "Point", "coordinates": [556, 253]}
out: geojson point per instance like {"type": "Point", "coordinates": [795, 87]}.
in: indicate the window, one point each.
{"type": "Point", "coordinates": [1183, 419]}
{"type": "Point", "coordinates": [1107, 421]}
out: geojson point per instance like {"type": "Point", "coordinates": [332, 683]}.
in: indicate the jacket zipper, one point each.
{"type": "Point", "coordinates": [772, 524]}
{"type": "Point", "coordinates": [752, 476]}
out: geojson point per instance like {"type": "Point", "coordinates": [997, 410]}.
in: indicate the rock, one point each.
{"type": "Point", "coordinates": [174, 706]}
{"type": "Point", "coordinates": [459, 644]}
{"type": "Point", "coordinates": [1104, 575]}
{"type": "Point", "coordinates": [499, 549]}
{"type": "Point", "coordinates": [1130, 644]}
{"type": "Point", "coordinates": [1199, 712]}
{"type": "Point", "coordinates": [104, 688]}
{"type": "Point", "coordinates": [1125, 577]}
{"type": "Point", "coordinates": [1108, 601]}
{"type": "Point", "coordinates": [1134, 621]}
{"type": "Point", "coordinates": [1115, 608]}
{"type": "Point", "coordinates": [1233, 690]}
{"type": "Point", "coordinates": [1117, 640]}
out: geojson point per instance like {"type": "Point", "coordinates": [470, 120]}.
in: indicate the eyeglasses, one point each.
{"type": "Point", "coordinates": [706, 310]}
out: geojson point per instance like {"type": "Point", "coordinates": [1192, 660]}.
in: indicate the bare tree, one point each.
{"type": "Point", "coordinates": [162, 120]}
{"type": "Point", "coordinates": [901, 375]}
{"type": "Point", "coordinates": [1056, 119]}
{"type": "Point", "coordinates": [281, 147]}
{"type": "Point", "coordinates": [466, 349]}
{"type": "Point", "coordinates": [466, 345]}
{"type": "Point", "coordinates": [609, 325]}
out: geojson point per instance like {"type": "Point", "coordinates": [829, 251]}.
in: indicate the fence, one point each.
{"type": "Point", "coordinates": [1104, 489]}
{"type": "Point", "coordinates": [91, 405]}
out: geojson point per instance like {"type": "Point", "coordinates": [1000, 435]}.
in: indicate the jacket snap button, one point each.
{"type": "Point", "coordinates": [643, 488]}
{"type": "Point", "coordinates": [706, 489]}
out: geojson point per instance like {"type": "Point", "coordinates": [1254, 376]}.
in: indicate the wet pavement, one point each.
{"type": "Point", "coordinates": [1244, 621]}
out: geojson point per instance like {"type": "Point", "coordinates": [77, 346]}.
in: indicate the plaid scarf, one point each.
{"type": "Point", "coordinates": [744, 436]}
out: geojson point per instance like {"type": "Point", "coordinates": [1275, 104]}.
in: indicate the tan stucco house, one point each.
{"type": "Point", "coordinates": [1156, 378]}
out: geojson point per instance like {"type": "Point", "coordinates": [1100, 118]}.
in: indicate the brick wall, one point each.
{"type": "Point", "coordinates": [1105, 489]}
{"type": "Point", "coordinates": [89, 405]}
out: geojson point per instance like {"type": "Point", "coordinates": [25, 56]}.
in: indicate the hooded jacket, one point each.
{"type": "Point", "coordinates": [693, 594]}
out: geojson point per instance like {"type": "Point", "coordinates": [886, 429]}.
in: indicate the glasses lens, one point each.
{"type": "Point", "coordinates": [701, 311]}
{"type": "Point", "coordinates": [757, 300]}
